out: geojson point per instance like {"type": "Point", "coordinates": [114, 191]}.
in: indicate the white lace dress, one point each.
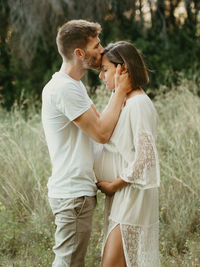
{"type": "Point", "coordinates": [131, 154]}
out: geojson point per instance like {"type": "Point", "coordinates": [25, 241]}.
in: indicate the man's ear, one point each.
{"type": "Point", "coordinates": [124, 68]}
{"type": "Point", "coordinates": [80, 53]}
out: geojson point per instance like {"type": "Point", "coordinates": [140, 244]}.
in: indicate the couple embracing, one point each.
{"type": "Point", "coordinates": [125, 166]}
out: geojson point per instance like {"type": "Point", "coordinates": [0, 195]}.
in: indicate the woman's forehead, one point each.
{"type": "Point", "coordinates": [105, 61]}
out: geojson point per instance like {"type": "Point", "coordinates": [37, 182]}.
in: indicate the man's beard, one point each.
{"type": "Point", "coordinates": [91, 62]}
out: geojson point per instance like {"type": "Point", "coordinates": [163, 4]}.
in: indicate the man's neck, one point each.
{"type": "Point", "coordinates": [74, 70]}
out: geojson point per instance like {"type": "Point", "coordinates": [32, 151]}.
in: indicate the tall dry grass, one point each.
{"type": "Point", "coordinates": [26, 223]}
{"type": "Point", "coordinates": [25, 218]}
{"type": "Point", "coordinates": [179, 149]}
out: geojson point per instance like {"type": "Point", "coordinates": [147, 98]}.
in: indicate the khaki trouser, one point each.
{"type": "Point", "coordinates": [73, 218]}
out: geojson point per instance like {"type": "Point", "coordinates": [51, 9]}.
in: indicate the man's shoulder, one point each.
{"type": "Point", "coordinates": [60, 84]}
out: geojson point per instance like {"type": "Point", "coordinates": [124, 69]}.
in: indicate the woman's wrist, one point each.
{"type": "Point", "coordinates": [118, 184]}
{"type": "Point", "coordinates": [120, 92]}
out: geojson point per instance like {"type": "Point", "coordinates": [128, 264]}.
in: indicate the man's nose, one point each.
{"type": "Point", "coordinates": [101, 49]}
{"type": "Point", "coordinates": [101, 75]}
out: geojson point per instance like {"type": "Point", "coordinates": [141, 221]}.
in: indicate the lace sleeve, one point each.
{"type": "Point", "coordinates": [144, 164]}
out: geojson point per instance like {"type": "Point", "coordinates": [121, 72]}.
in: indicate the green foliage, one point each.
{"type": "Point", "coordinates": [166, 57]}
{"type": "Point", "coordinates": [6, 70]}
{"type": "Point", "coordinates": [29, 55]}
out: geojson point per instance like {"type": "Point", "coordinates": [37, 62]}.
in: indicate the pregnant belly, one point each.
{"type": "Point", "coordinates": [105, 166]}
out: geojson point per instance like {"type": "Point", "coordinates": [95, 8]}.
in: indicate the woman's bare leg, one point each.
{"type": "Point", "coordinates": [113, 255]}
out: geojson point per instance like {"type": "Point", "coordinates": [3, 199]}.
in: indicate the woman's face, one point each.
{"type": "Point", "coordinates": [107, 73]}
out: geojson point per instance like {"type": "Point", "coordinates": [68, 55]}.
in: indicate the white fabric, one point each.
{"type": "Point", "coordinates": [71, 150]}
{"type": "Point", "coordinates": [131, 154]}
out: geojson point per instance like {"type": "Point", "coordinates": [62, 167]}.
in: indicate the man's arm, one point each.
{"type": "Point", "coordinates": [95, 110]}
{"type": "Point", "coordinates": [100, 128]}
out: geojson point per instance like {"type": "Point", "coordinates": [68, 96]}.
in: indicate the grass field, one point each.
{"type": "Point", "coordinates": [26, 224]}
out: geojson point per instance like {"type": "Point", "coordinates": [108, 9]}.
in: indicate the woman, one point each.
{"type": "Point", "coordinates": [127, 168]}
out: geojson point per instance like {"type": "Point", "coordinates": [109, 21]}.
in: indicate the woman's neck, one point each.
{"type": "Point", "coordinates": [137, 91]}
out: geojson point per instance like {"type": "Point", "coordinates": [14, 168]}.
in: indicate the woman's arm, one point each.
{"type": "Point", "coordinates": [109, 188]}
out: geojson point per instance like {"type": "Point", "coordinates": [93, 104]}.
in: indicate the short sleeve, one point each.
{"type": "Point", "coordinates": [85, 92]}
{"type": "Point", "coordinates": [72, 100]}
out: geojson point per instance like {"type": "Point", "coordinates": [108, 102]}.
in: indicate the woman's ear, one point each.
{"type": "Point", "coordinates": [80, 53]}
{"type": "Point", "coordinates": [124, 68]}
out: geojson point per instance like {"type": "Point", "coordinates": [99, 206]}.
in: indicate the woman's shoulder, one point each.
{"type": "Point", "coordinates": [139, 97]}
{"type": "Point", "coordinates": [141, 107]}
{"type": "Point", "coordinates": [139, 101]}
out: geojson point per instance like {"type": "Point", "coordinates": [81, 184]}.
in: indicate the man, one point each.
{"type": "Point", "coordinates": [70, 120]}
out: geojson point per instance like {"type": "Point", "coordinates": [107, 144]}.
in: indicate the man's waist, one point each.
{"type": "Point", "coordinates": [52, 193]}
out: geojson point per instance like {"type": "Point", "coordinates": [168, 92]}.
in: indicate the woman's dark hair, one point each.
{"type": "Point", "coordinates": [126, 53]}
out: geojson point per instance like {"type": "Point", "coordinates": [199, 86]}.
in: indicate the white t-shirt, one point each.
{"type": "Point", "coordinates": [71, 150]}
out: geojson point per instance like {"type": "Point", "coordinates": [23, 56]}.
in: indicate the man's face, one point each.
{"type": "Point", "coordinates": [93, 54]}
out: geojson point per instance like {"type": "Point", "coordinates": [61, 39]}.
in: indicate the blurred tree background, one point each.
{"type": "Point", "coordinates": [167, 33]}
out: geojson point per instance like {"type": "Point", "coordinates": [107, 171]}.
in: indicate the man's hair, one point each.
{"type": "Point", "coordinates": [126, 53]}
{"type": "Point", "coordinates": [75, 34]}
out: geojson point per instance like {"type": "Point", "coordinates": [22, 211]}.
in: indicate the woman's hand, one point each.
{"type": "Point", "coordinates": [106, 187]}
{"type": "Point", "coordinates": [109, 188]}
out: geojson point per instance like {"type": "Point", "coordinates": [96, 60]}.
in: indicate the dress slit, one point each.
{"type": "Point", "coordinates": [110, 229]}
